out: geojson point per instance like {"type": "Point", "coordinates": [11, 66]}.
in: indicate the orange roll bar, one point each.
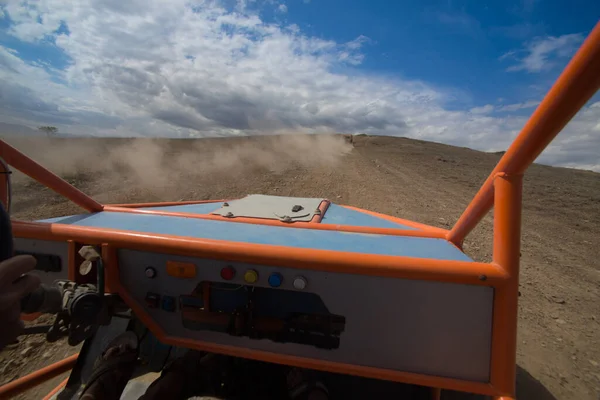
{"type": "Point", "coordinates": [34, 170]}
{"type": "Point", "coordinates": [575, 86]}
{"type": "Point", "coordinates": [56, 389]}
{"type": "Point", "coordinates": [506, 254]}
{"type": "Point", "coordinates": [35, 378]}
{"type": "Point", "coordinates": [292, 257]}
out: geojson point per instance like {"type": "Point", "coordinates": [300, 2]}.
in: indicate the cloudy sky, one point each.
{"type": "Point", "coordinates": [456, 72]}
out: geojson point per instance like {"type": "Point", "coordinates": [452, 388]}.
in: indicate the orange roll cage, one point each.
{"type": "Point", "coordinates": [502, 190]}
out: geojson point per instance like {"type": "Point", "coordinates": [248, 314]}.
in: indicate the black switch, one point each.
{"type": "Point", "coordinates": [297, 208]}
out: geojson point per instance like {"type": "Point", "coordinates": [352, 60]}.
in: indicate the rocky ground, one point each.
{"type": "Point", "coordinates": [559, 312]}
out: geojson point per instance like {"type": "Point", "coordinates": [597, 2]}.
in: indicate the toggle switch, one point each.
{"type": "Point", "coordinates": [152, 300]}
{"type": "Point", "coordinates": [168, 303]}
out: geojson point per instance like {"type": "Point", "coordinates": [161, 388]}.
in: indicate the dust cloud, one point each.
{"type": "Point", "coordinates": [156, 165]}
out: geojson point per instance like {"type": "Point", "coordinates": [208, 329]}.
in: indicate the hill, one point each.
{"type": "Point", "coordinates": [16, 129]}
{"type": "Point", "coordinates": [559, 313]}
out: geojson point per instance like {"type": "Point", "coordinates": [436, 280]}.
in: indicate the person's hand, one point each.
{"type": "Point", "coordinates": [15, 284]}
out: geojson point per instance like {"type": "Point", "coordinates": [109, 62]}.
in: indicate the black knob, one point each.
{"type": "Point", "coordinates": [150, 272]}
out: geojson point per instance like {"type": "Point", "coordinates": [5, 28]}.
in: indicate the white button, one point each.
{"type": "Point", "coordinates": [299, 283]}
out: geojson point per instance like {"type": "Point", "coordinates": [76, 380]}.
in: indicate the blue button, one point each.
{"type": "Point", "coordinates": [168, 303]}
{"type": "Point", "coordinates": [275, 280]}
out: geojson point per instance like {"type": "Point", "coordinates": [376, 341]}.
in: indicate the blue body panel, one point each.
{"type": "Point", "coordinates": [335, 215]}
{"type": "Point", "coordinates": [271, 235]}
{"type": "Point", "coordinates": [338, 215]}
{"type": "Point", "coordinates": [203, 208]}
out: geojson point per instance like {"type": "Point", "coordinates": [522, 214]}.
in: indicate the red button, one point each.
{"type": "Point", "coordinates": [152, 300]}
{"type": "Point", "coordinates": [227, 273]}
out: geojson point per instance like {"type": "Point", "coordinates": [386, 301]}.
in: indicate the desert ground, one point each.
{"type": "Point", "coordinates": [559, 311]}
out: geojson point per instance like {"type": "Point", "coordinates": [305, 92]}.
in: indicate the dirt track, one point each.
{"type": "Point", "coordinates": [559, 319]}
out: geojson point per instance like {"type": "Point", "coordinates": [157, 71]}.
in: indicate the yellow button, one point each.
{"type": "Point", "coordinates": [251, 276]}
{"type": "Point", "coordinates": [181, 269]}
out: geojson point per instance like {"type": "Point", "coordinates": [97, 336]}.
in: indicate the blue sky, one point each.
{"type": "Point", "coordinates": [454, 44]}
{"type": "Point", "coordinates": [464, 73]}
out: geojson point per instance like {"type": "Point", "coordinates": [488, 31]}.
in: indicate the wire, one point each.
{"type": "Point", "coordinates": [8, 172]}
{"type": "Point", "coordinates": [100, 276]}
{"type": "Point", "coordinates": [144, 335]}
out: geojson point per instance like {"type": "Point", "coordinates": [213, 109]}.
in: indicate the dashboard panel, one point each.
{"type": "Point", "coordinates": [432, 328]}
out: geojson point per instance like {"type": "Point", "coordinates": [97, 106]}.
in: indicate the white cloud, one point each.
{"type": "Point", "coordinates": [282, 8]}
{"type": "Point", "coordinates": [488, 108]}
{"type": "Point", "coordinates": [519, 106]}
{"type": "Point", "coordinates": [542, 53]}
{"type": "Point", "coordinates": [578, 145]}
{"type": "Point", "coordinates": [508, 55]}
{"type": "Point", "coordinates": [357, 43]}
{"type": "Point", "coordinates": [198, 69]}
